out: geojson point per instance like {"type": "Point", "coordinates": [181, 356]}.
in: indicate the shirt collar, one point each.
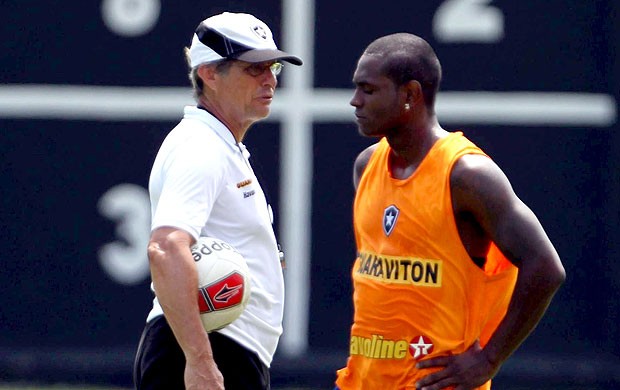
{"type": "Point", "coordinates": [220, 128]}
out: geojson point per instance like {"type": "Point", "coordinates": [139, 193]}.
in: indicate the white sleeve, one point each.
{"type": "Point", "coordinates": [191, 181]}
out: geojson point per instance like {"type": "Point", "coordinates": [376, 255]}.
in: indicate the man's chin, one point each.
{"type": "Point", "coordinates": [262, 113]}
{"type": "Point", "coordinates": [366, 132]}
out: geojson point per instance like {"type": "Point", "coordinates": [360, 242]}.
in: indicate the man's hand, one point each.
{"type": "Point", "coordinates": [203, 375]}
{"type": "Point", "coordinates": [466, 371]}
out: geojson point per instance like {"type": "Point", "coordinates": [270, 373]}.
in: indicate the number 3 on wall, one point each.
{"type": "Point", "coordinates": [125, 260]}
{"type": "Point", "coordinates": [473, 21]}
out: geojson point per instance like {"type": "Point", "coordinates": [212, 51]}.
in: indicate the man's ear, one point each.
{"type": "Point", "coordinates": [413, 93]}
{"type": "Point", "coordinates": [208, 75]}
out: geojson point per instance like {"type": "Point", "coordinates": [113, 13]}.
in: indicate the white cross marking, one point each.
{"type": "Point", "coordinates": [297, 106]}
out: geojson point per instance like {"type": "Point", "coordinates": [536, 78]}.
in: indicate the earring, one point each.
{"type": "Point", "coordinates": [407, 106]}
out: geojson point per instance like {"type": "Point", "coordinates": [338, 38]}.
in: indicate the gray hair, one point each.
{"type": "Point", "coordinates": [221, 66]}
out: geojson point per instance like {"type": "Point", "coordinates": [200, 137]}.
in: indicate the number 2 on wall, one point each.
{"type": "Point", "coordinates": [474, 21]}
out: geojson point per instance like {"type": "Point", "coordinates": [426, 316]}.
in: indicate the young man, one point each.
{"type": "Point", "coordinates": [453, 270]}
{"type": "Point", "coordinates": [202, 184]}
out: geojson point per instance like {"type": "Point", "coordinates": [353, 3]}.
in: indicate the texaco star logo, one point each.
{"type": "Point", "coordinates": [420, 346]}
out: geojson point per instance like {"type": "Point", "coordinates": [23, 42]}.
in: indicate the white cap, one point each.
{"type": "Point", "coordinates": [235, 36]}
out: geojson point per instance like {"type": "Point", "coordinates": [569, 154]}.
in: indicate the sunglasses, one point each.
{"type": "Point", "coordinates": [258, 69]}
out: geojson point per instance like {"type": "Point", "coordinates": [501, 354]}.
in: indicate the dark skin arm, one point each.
{"type": "Point", "coordinates": [482, 191]}
{"type": "Point", "coordinates": [360, 164]}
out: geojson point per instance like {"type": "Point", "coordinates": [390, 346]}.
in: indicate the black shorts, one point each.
{"type": "Point", "coordinates": [160, 363]}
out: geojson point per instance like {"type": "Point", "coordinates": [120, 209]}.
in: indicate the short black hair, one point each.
{"type": "Point", "coordinates": [408, 57]}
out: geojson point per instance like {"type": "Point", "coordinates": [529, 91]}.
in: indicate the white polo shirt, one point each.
{"type": "Point", "coordinates": [202, 182]}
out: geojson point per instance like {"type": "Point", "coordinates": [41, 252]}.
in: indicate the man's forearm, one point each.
{"type": "Point", "coordinates": [534, 289]}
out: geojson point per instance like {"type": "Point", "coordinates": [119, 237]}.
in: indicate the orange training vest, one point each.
{"type": "Point", "coordinates": [417, 293]}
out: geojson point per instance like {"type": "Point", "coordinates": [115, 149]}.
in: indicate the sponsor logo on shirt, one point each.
{"type": "Point", "coordinates": [244, 183]}
{"type": "Point", "coordinates": [401, 270]}
{"type": "Point", "coordinates": [420, 346]}
{"type": "Point", "coordinates": [378, 347]}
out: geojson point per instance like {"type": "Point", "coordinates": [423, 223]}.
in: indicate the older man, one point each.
{"type": "Point", "coordinates": [202, 184]}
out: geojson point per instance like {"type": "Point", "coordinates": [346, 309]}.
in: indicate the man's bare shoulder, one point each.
{"type": "Point", "coordinates": [361, 161]}
{"type": "Point", "coordinates": [476, 180]}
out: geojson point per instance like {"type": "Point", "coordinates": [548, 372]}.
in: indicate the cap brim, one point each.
{"type": "Point", "coordinates": [267, 55]}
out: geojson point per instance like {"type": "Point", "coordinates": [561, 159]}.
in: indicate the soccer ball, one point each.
{"type": "Point", "coordinates": [223, 282]}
